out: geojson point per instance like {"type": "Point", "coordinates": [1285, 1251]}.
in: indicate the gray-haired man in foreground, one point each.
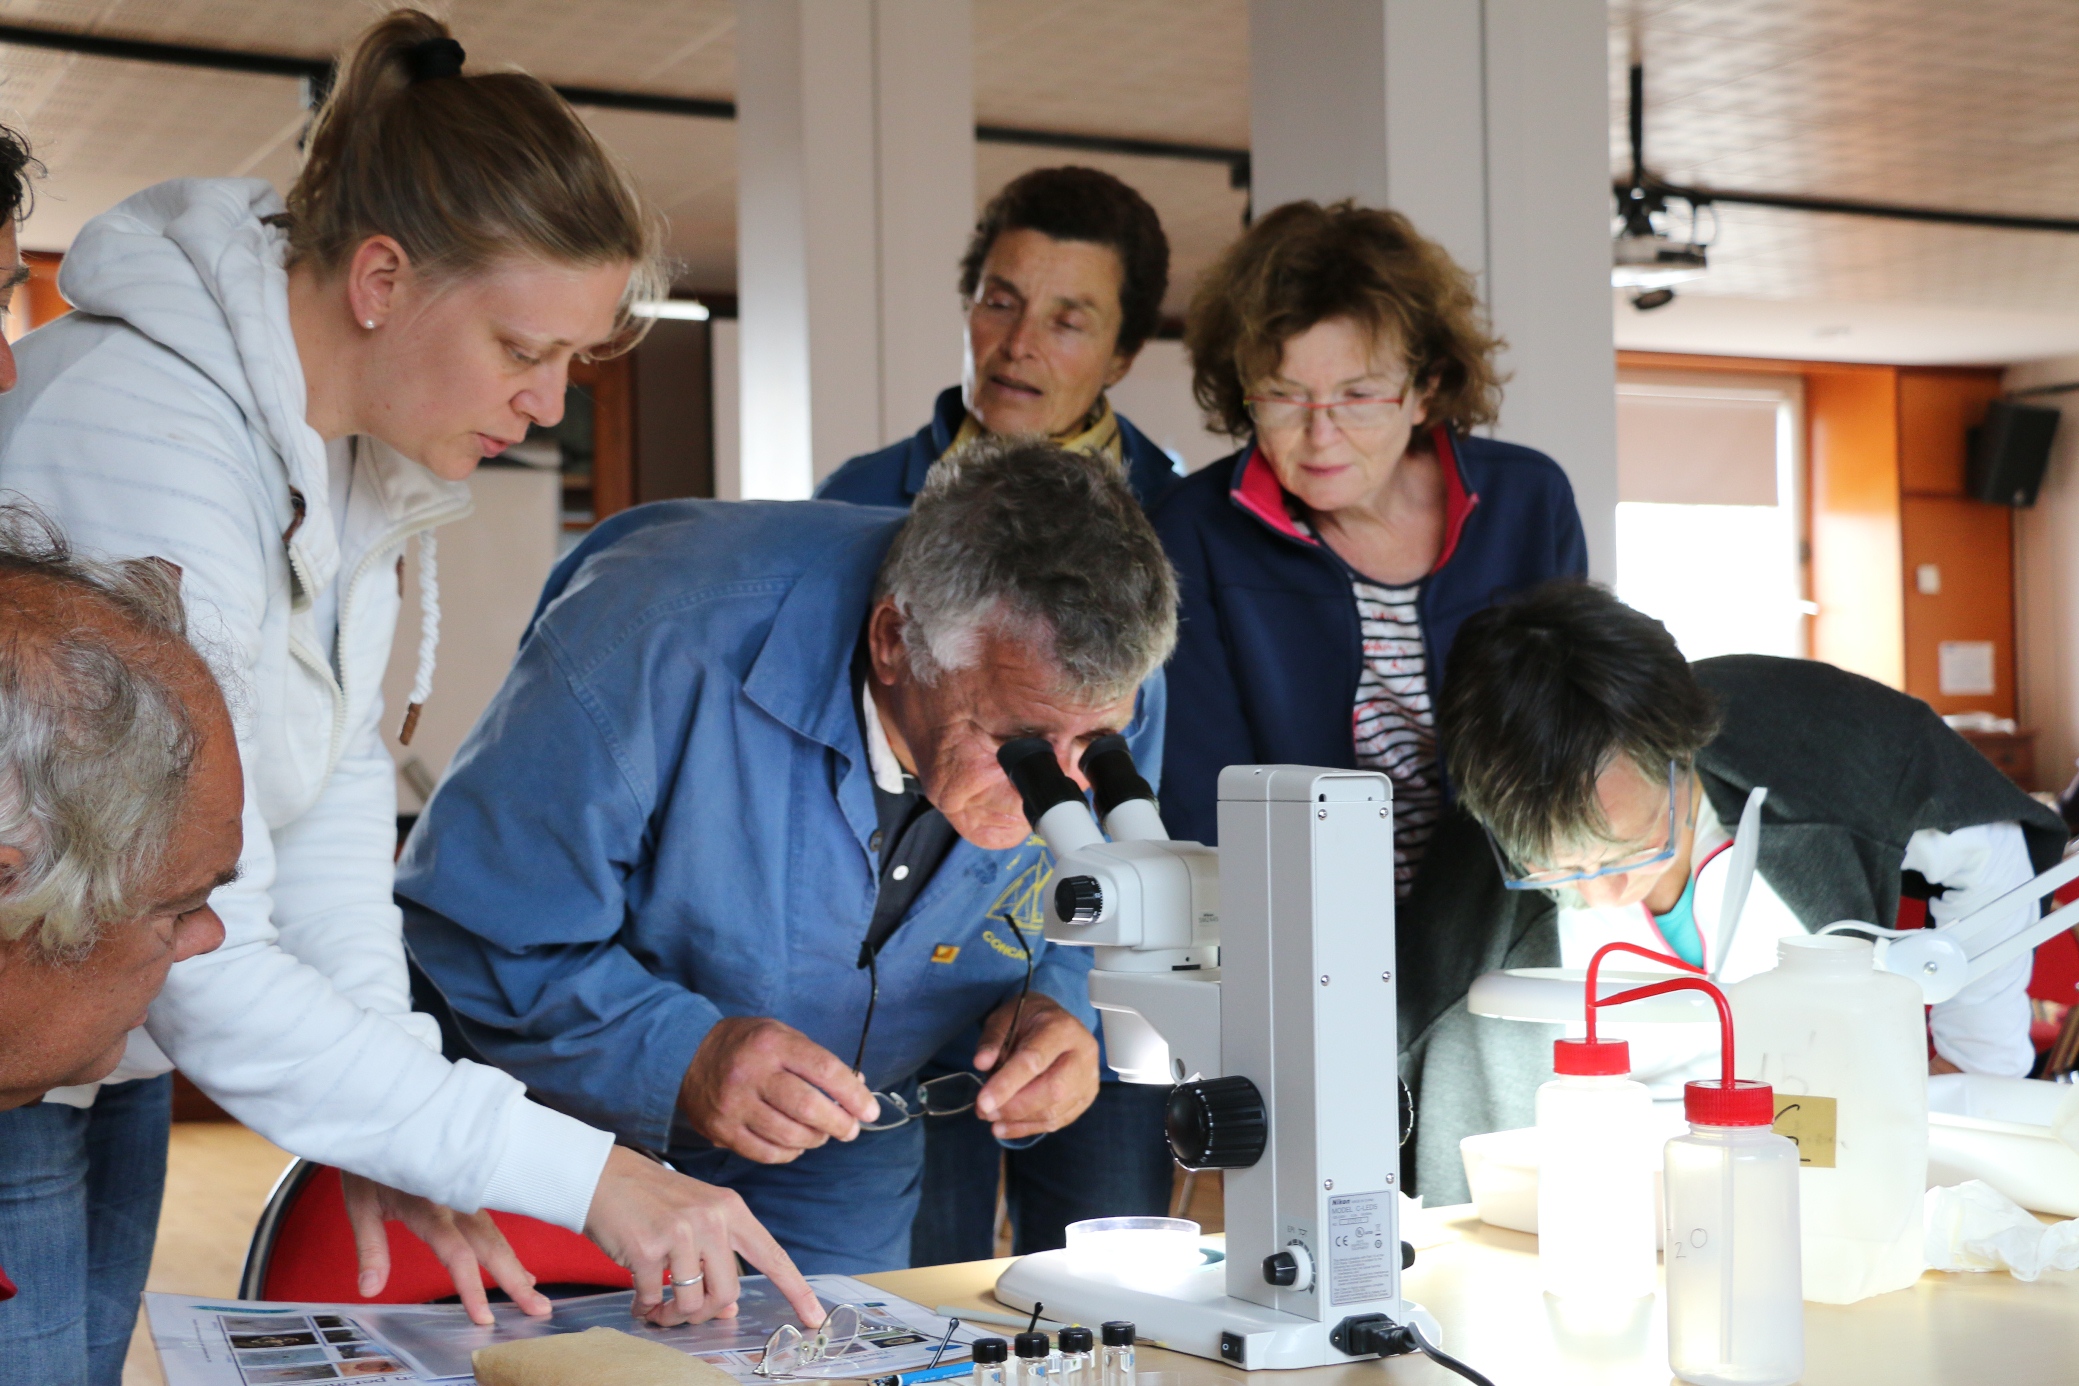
{"type": "Point", "coordinates": [119, 804]}
{"type": "Point", "coordinates": [119, 808]}
{"type": "Point", "coordinates": [730, 856]}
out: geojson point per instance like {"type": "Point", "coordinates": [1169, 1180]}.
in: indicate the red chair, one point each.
{"type": "Point", "coordinates": [303, 1251]}
{"type": "Point", "coordinates": [2055, 976]}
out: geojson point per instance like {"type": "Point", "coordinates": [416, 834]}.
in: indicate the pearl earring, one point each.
{"type": "Point", "coordinates": [368, 323]}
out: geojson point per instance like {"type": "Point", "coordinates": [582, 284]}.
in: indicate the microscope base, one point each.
{"type": "Point", "coordinates": [1190, 1313]}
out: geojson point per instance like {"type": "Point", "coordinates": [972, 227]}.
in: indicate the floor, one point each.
{"type": "Point", "coordinates": [218, 1175]}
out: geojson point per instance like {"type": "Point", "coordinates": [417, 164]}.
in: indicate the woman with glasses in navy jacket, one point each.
{"type": "Point", "coordinates": [1325, 566]}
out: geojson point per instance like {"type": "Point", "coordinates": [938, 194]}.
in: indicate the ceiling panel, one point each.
{"type": "Point", "coordinates": [1928, 102]}
{"type": "Point", "coordinates": [1155, 69]}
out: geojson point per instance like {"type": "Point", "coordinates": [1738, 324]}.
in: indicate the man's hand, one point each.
{"type": "Point", "coordinates": [666, 1227]}
{"type": "Point", "coordinates": [769, 1092]}
{"type": "Point", "coordinates": [1050, 1077]}
{"type": "Point", "coordinates": [463, 1242]}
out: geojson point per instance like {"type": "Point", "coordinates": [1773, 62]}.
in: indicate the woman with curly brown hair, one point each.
{"type": "Point", "coordinates": [1325, 567]}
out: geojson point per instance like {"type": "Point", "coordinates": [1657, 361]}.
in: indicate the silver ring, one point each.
{"type": "Point", "coordinates": [688, 1284]}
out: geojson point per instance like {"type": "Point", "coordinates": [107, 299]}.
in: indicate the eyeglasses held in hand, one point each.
{"type": "Point", "coordinates": [951, 1093]}
{"type": "Point", "coordinates": [1276, 415]}
{"type": "Point", "coordinates": [789, 1351]}
{"type": "Point", "coordinates": [1518, 879]}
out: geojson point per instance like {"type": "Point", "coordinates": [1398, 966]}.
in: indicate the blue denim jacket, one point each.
{"type": "Point", "coordinates": [664, 818]}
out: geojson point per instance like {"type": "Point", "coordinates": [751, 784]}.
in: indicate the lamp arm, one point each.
{"type": "Point", "coordinates": [1962, 931]}
{"type": "Point", "coordinates": [2026, 942]}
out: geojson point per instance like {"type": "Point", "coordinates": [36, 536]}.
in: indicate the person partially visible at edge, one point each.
{"type": "Point", "coordinates": [800, 871]}
{"type": "Point", "coordinates": [1062, 286]}
{"type": "Point", "coordinates": [275, 399]}
{"type": "Point", "coordinates": [120, 800]}
{"type": "Point", "coordinates": [1326, 566]}
{"type": "Point", "coordinates": [1612, 774]}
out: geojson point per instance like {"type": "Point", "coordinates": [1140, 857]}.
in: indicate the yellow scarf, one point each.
{"type": "Point", "coordinates": [1098, 435]}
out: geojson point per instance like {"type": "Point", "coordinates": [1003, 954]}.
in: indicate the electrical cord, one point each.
{"type": "Point", "coordinates": [1377, 1334]}
{"type": "Point", "coordinates": [1442, 1358]}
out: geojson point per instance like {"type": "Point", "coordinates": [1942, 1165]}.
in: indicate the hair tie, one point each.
{"type": "Point", "coordinates": [433, 58]}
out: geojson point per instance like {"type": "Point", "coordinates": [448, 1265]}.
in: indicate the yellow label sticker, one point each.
{"type": "Point", "coordinates": [945, 952]}
{"type": "Point", "coordinates": [1809, 1121]}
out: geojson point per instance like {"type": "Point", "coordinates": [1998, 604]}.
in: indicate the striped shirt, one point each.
{"type": "Point", "coordinates": [1394, 722]}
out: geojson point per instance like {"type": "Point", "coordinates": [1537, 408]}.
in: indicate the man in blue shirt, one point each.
{"type": "Point", "coordinates": [1062, 285]}
{"type": "Point", "coordinates": [730, 857]}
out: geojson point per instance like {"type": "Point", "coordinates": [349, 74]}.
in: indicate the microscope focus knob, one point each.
{"type": "Point", "coordinates": [1079, 899]}
{"type": "Point", "coordinates": [1290, 1269]}
{"type": "Point", "coordinates": [1217, 1123]}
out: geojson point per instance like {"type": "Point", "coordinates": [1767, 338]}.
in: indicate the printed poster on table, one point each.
{"type": "Point", "coordinates": [223, 1342]}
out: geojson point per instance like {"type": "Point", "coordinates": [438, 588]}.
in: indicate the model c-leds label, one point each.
{"type": "Point", "coordinates": [1363, 1248]}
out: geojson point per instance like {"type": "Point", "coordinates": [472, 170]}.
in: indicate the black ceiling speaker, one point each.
{"type": "Point", "coordinates": [2009, 452]}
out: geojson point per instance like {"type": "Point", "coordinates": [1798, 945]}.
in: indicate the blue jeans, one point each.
{"type": "Point", "coordinates": [79, 1209]}
{"type": "Point", "coordinates": [844, 1207]}
{"type": "Point", "coordinates": [1113, 1161]}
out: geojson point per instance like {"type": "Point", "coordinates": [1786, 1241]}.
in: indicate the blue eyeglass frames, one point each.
{"type": "Point", "coordinates": [1514, 879]}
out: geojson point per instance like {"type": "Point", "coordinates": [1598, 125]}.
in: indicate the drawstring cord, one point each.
{"type": "Point", "coordinates": [429, 635]}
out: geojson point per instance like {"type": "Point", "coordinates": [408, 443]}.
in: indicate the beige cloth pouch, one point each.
{"type": "Point", "coordinates": [595, 1357]}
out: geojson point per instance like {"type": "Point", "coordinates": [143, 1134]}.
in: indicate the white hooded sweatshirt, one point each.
{"type": "Point", "coordinates": [166, 417]}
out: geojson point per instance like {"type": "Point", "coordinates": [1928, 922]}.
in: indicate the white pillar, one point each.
{"type": "Point", "coordinates": [1486, 122]}
{"type": "Point", "coordinates": [855, 174]}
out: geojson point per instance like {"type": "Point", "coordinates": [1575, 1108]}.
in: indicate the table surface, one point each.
{"type": "Point", "coordinates": [1481, 1283]}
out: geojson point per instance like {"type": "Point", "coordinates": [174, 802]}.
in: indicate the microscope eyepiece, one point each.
{"type": "Point", "coordinates": [1040, 782]}
{"type": "Point", "coordinates": [1109, 767]}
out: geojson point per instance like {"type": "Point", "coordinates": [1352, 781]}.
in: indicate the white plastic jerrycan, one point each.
{"type": "Point", "coordinates": [1844, 1046]}
{"type": "Point", "coordinates": [1596, 1159]}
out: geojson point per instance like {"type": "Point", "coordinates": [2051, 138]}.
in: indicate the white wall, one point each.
{"type": "Point", "coordinates": [492, 566]}
{"type": "Point", "coordinates": [2046, 586]}
{"type": "Point", "coordinates": [1156, 395]}
{"type": "Point", "coordinates": [722, 363]}
{"type": "Point", "coordinates": [855, 190]}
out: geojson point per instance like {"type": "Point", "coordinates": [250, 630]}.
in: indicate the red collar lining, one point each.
{"type": "Point", "coordinates": [1257, 491]}
{"type": "Point", "coordinates": [1695, 877]}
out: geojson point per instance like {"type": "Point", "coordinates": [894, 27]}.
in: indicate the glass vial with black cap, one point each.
{"type": "Point", "coordinates": [1115, 1366]}
{"type": "Point", "coordinates": [1076, 1364]}
{"type": "Point", "coordinates": [990, 1355]}
{"type": "Point", "coordinates": [1034, 1361]}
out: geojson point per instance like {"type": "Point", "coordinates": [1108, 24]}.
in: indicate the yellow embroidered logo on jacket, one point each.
{"type": "Point", "coordinates": [1024, 900]}
{"type": "Point", "coordinates": [945, 952]}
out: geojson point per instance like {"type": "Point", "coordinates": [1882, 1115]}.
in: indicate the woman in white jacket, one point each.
{"type": "Point", "coordinates": [277, 402]}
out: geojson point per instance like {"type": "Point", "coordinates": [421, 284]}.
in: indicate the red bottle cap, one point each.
{"type": "Point", "coordinates": [1591, 1058]}
{"type": "Point", "coordinates": [1741, 1102]}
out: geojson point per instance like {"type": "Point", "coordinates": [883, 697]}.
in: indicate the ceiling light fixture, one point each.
{"type": "Point", "coordinates": [1646, 256]}
{"type": "Point", "coordinates": [678, 309]}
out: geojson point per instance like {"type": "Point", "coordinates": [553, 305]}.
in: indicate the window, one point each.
{"type": "Point", "coordinates": [1708, 491]}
